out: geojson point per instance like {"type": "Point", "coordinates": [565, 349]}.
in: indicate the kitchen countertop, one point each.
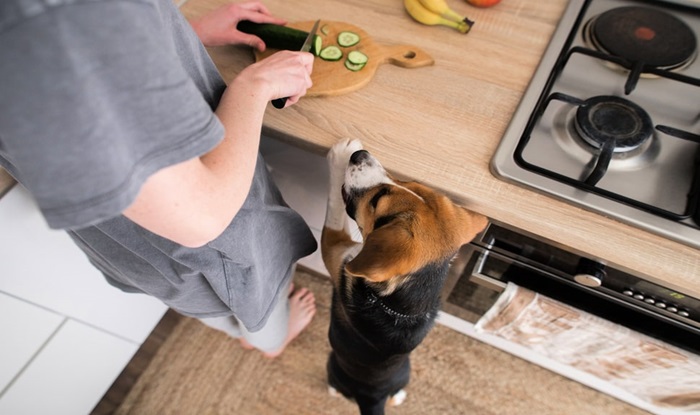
{"type": "Point", "coordinates": [6, 181]}
{"type": "Point", "coordinates": [441, 124]}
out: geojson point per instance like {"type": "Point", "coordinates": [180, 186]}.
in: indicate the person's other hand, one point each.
{"type": "Point", "coordinates": [218, 27]}
{"type": "Point", "coordinates": [282, 74]}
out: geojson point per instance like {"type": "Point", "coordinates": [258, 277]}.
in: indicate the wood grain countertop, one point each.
{"type": "Point", "coordinates": [6, 181]}
{"type": "Point", "coordinates": [441, 124]}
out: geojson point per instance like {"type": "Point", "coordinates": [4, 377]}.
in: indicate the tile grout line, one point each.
{"type": "Point", "coordinates": [31, 359]}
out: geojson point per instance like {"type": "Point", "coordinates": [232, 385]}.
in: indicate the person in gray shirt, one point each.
{"type": "Point", "coordinates": [114, 117]}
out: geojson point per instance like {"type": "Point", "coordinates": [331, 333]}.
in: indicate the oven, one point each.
{"type": "Point", "coordinates": [659, 326]}
{"type": "Point", "coordinates": [500, 255]}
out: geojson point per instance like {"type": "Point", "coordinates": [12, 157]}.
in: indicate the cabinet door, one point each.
{"type": "Point", "coordinates": [70, 374]}
{"type": "Point", "coordinates": [25, 328]}
{"type": "Point", "coordinates": [44, 266]}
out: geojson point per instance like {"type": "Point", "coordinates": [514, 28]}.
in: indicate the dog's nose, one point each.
{"type": "Point", "coordinates": [359, 156]}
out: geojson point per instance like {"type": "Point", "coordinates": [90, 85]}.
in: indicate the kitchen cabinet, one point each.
{"type": "Point", "coordinates": [25, 329]}
{"type": "Point", "coordinates": [44, 267]}
{"type": "Point", "coordinates": [70, 373]}
{"type": "Point", "coordinates": [302, 178]}
{"type": "Point", "coordinates": [66, 333]}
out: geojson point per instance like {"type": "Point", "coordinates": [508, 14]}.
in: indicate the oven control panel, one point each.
{"type": "Point", "coordinates": [589, 275]}
{"type": "Point", "coordinates": [662, 303]}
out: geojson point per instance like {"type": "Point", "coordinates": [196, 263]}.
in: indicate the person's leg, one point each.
{"type": "Point", "coordinates": [289, 317]}
{"type": "Point", "coordinates": [228, 325]}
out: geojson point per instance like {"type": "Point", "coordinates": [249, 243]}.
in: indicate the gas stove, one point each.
{"type": "Point", "coordinates": [611, 119]}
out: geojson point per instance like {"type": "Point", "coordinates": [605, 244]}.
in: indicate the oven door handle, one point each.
{"type": "Point", "coordinates": [478, 277]}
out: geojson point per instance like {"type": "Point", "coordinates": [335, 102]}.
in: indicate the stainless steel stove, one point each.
{"type": "Point", "coordinates": [611, 118]}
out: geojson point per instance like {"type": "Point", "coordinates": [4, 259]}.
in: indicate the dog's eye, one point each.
{"type": "Point", "coordinates": [384, 220]}
{"type": "Point", "coordinates": [375, 199]}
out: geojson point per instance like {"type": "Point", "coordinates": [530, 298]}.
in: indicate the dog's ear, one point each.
{"type": "Point", "coordinates": [459, 224]}
{"type": "Point", "coordinates": [386, 253]}
{"type": "Point", "coordinates": [469, 224]}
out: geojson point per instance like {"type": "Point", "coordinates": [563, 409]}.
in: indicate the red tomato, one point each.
{"type": "Point", "coordinates": [483, 3]}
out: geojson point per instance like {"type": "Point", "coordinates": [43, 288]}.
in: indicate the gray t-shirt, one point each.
{"type": "Point", "coordinates": [95, 96]}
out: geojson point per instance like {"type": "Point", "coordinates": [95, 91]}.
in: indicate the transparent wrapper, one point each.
{"type": "Point", "coordinates": [654, 371]}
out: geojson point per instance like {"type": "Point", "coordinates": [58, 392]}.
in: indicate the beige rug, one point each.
{"type": "Point", "coordinates": [201, 371]}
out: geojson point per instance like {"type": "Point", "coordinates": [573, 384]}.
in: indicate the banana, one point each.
{"type": "Point", "coordinates": [440, 7]}
{"type": "Point", "coordinates": [427, 17]}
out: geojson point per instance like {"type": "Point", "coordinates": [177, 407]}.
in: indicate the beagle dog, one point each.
{"type": "Point", "coordinates": [386, 289]}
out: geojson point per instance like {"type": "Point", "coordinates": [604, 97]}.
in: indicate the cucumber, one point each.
{"type": "Point", "coordinates": [347, 39]}
{"type": "Point", "coordinates": [317, 46]}
{"type": "Point", "coordinates": [354, 66]}
{"type": "Point", "coordinates": [357, 58]}
{"type": "Point", "coordinates": [280, 37]}
{"type": "Point", "coordinates": [331, 53]}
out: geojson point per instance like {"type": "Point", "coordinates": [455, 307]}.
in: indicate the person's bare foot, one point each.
{"type": "Point", "coordinates": [302, 307]}
{"type": "Point", "coordinates": [244, 342]}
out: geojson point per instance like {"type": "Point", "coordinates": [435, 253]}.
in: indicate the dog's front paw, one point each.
{"type": "Point", "coordinates": [338, 160]}
{"type": "Point", "coordinates": [339, 155]}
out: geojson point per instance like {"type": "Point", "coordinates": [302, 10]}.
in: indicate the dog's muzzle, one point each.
{"type": "Point", "coordinates": [349, 199]}
{"type": "Point", "coordinates": [359, 157]}
{"type": "Point", "coordinates": [363, 172]}
{"type": "Point", "coordinates": [359, 165]}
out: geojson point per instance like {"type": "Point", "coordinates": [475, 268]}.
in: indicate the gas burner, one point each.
{"type": "Point", "coordinates": [643, 36]}
{"type": "Point", "coordinates": [612, 122]}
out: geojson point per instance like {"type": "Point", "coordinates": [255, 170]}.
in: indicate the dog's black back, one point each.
{"type": "Point", "coordinates": [372, 337]}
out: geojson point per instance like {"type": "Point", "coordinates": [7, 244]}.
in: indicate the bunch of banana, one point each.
{"type": "Point", "coordinates": [437, 12]}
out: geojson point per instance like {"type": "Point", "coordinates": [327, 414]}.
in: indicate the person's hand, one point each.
{"type": "Point", "coordinates": [282, 74]}
{"type": "Point", "coordinates": [218, 27]}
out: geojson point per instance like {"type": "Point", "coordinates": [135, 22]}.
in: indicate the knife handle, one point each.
{"type": "Point", "coordinates": [279, 103]}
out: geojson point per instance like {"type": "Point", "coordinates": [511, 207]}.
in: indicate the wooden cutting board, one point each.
{"type": "Point", "coordinates": [332, 78]}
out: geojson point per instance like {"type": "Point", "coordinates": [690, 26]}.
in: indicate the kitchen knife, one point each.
{"type": "Point", "coordinates": [281, 102]}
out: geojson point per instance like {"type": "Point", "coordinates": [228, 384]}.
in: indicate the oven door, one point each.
{"type": "Point", "coordinates": [479, 275]}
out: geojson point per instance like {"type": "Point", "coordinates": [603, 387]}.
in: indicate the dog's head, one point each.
{"type": "Point", "coordinates": [405, 225]}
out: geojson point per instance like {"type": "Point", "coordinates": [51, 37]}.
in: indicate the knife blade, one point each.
{"type": "Point", "coordinates": [279, 103]}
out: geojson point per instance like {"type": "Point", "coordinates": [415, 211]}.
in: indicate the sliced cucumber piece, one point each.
{"type": "Point", "coordinates": [325, 30]}
{"type": "Point", "coordinates": [347, 39]}
{"type": "Point", "coordinates": [357, 58]}
{"type": "Point", "coordinates": [354, 66]}
{"type": "Point", "coordinates": [331, 53]}
{"type": "Point", "coordinates": [317, 46]}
